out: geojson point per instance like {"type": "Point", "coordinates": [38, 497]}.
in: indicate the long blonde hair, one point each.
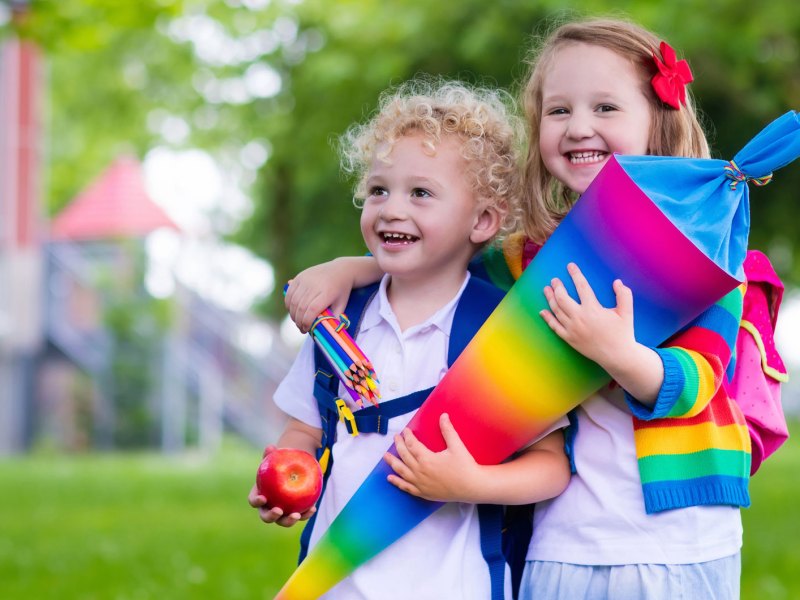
{"type": "Point", "coordinates": [673, 132]}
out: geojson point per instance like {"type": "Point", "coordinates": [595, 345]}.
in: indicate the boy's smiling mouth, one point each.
{"type": "Point", "coordinates": [586, 157]}
{"type": "Point", "coordinates": [393, 238]}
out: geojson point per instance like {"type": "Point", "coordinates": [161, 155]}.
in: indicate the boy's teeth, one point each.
{"type": "Point", "coordinates": [398, 237]}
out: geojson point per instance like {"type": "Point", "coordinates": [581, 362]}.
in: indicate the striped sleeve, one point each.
{"type": "Point", "coordinates": [695, 361]}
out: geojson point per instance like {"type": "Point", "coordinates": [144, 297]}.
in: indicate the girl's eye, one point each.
{"type": "Point", "coordinates": [420, 193]}
{"type": "Point", "coordinates": [606, 108]}
{"type": "Point", "coordinates": [558, 111]}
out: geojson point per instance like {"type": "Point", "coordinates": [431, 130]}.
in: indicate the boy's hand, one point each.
{"type": "Point", "coordinates": [274, 515]}
{"type": "Point", "coordinates": [603, 335]}
{"type": "Point", "coordinates": [445, 476]}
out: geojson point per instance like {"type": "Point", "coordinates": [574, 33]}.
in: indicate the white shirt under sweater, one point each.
{"type": "Point", "coordinates": [600, 518]}
{"type": "Point", "coordinates": [441, 557]}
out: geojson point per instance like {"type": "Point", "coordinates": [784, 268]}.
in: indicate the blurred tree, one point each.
{"type": "Point", "coordinates": [304, 213]}
{"type": "Point", "coordinates": [291, 76]}
{"type": "Point", "coordinates": [106, 71]}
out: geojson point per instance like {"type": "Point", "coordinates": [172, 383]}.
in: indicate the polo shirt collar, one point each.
{"type": "Point", "coordinates": [442, 319]}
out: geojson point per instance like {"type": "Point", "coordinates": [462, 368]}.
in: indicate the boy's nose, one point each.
{"type": "Point", "coordinates": [392, 208]}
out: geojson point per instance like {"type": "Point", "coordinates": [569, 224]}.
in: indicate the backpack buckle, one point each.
{"type": "Point", "coordinates": [346, 415]}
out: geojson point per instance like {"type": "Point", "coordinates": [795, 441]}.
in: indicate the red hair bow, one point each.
{"type": "Point", "coordinates": [672, 77]}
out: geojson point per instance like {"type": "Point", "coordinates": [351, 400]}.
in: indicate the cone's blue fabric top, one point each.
{"type": "Point", "coordinates": [702, 196]}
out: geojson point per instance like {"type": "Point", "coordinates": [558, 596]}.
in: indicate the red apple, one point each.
{"type": "Point", "coordinates": [290, 479]}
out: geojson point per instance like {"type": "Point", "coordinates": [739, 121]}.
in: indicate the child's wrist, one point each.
{"type": "Point", "coordinates": [617, 360]}
{"type": "Point", "coordinates": [639, 371]}
{"type": "Point", "coordinates": [476, 485]}
{"type": "Point", "coordinates": [622, 361]}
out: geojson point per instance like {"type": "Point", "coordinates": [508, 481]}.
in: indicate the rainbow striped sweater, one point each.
{"type": "Point", "coordinates": [692, 445]}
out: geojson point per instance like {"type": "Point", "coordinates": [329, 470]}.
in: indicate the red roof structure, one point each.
{"type": "Point", "coordinates": [115, 205]}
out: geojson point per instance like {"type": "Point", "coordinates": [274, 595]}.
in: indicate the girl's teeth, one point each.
{"type": "Point", "coordinates": [579, 158]}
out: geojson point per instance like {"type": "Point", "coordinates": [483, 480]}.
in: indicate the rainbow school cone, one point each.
{"type": "Point", "coordinates": [674, 230]}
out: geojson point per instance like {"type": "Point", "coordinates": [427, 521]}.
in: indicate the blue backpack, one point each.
{"type": "Point", "coordinates": [503, 533]}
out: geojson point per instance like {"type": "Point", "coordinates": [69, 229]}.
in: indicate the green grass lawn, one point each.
{"type": "Point", "coordinates": [141, 526]}
{"type": "Point", "coordinates": [137, 526]}
{"type": "Point", "coordinates": [771, 554]}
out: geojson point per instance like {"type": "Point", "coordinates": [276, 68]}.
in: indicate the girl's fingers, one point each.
{"type": "Point", "coordinates": [338, 306]}
{"type": "Point", "coordinates": [624, 298]}
{"type": "Point", "coordinates": [307, 316]}
{"type": "Point", "coordinates": [555, 300]}
{"type": "Point", "coordinates": [289, 295]}
{"type": "Point", "coordinates": [553, 323]}
{"type": "Point", "coordinates": [585, 291]}
{"type": "Point", "coordinates": [563, 302]}
{"type": "Point", "coordinates": [293, 299]}
{"type": "Point", "coordinates": [550, 296]}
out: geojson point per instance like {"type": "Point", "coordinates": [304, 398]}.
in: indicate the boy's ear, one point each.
{"type": "Point", "coordinates": [487, 224]}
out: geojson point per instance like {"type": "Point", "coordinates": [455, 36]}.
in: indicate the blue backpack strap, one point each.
{"type": "Point", "coordinates": [475, 305]}
{"type": "Point", "coordinates": [326, 387]}
{"type": "Point", "coordinates": [375, 419]}
{"type": "Point", "coordinates": [490, 520]}
{"type": "Point", "coordinates": [517, 529]}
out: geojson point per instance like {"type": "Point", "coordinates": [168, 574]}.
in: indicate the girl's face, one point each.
{"type": "Point", "coordinates": [592, 106]}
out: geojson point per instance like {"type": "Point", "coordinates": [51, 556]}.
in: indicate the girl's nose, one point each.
{"type": "Point", "coordinates": [579, 127]}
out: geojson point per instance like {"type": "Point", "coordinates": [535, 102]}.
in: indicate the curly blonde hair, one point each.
{"type": "Point", "coordinates": [672, 132]}
{"type": "Point", "coordinates": [484, 120]}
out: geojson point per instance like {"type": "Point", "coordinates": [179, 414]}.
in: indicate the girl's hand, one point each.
{"type": "Point", "coordinates": [444, 476]}
{"type": "Point", "coordinates": [604, 335]}
{"type": "Point", "coordinates": [317, 288]}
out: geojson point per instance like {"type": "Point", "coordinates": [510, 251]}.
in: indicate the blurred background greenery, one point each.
{"type": "Point", "coordinates": [271, 83]}
{"type": "Point", "coordinates": [141, 526]}
{"type": "Point", "coordinates": [262, 88]}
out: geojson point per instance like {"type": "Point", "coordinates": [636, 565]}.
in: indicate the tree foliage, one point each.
{"type": "Point", "coordinates": [116, 68]}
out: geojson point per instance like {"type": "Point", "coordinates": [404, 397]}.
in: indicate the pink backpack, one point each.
{"type": "Point", "coordinates": [759, 370]}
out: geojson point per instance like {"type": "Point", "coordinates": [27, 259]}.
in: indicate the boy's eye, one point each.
{"type": "Point", "coordinates": [377, 191]}
{"type": "Point", "coordinates": [420, 193]}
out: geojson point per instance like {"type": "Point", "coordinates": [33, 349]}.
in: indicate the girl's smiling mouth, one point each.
{"type": "Point", "coordinates": [586, 157]}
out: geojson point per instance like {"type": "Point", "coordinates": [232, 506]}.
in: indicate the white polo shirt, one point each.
{"type": "Point", "coordinates": [600, 518]}
{"type": "Point", "coordinates": [440, 557]}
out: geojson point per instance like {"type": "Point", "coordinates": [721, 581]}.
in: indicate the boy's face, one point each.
{"type": "Point", "coordinates": [592, 106]}
{"type": "Point", "coordinates": [421, 218]}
